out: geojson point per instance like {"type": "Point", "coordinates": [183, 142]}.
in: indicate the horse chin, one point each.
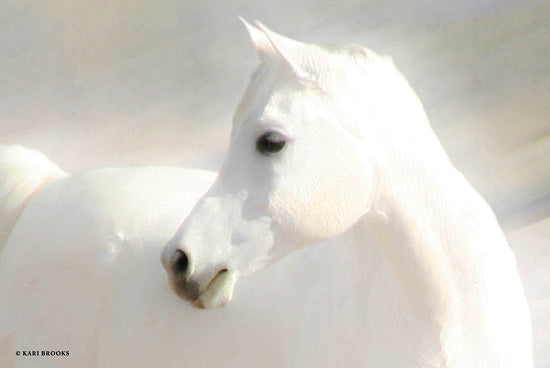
{"type": "Point", "coordinates": [219, 292]}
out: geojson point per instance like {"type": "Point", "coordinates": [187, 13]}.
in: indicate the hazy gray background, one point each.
{"type": "Point", "coordinates": [102, 83]}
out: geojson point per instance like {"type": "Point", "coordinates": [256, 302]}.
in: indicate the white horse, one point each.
{"type": "Point", "coordinates": [329, 143]}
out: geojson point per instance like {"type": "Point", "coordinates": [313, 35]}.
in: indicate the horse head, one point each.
{"type": "Point", "coordinates": [306, 139]}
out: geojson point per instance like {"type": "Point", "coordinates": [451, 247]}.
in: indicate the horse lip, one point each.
{"type": "Point", "coordinates": [218, 291]}
{"type": "Point", "coordinates": [221, 272]}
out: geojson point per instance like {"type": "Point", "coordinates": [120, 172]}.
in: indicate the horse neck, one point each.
{"type": "Point", "coordinates": [434, 231]}
{"type": "Point", "coordinates": [440, 260]}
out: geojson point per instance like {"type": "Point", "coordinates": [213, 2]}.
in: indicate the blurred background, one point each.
{"type": "Point", "coordinates": [138, 82]}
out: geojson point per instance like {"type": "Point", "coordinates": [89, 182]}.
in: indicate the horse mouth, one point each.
{"type": "Point", "coordinates": [212, 294]}
{"type": "Point", "coordinates": [218, 292]}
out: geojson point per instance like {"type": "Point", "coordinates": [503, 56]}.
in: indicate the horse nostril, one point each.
{"type": "Point", "coordinates": [180, 263]}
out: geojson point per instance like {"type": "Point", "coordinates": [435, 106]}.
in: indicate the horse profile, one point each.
{"type": "Point", "coordinates": [335, 144]}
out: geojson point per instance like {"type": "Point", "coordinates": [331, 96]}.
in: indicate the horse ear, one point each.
{"type": "Point", "coordinates": [289, 50]}
{"type": "Point", "coordinates": [269, 44]}
{"type": "Point", "coordinates": [261, 43]}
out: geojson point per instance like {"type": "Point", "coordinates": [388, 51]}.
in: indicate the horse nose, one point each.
{"type": "Point", "coordinates": [178, 266]}
{"type": "Point", "coordinates": [179, 263]}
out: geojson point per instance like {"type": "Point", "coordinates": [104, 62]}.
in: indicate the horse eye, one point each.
{"type": "Point", "coordinates": [270, 143]}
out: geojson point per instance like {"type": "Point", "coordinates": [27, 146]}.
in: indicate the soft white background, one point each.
{"type": "Point", "coordinates": [134, 82]}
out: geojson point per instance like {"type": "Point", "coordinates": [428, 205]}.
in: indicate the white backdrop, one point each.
{"type": "Point", "coordinates": [134, 82]}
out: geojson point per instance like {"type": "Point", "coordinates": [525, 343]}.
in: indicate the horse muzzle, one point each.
{"type": "Point", "coordinates": [209, 292]}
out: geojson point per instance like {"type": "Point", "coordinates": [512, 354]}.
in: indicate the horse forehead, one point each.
{"type": "Point", "coordinates": [268, 103]}
{"type": "Point", "coordinates": [284, 101]}
{"type": "Point", "coordinates": [256, 95]}
{"type": "Point", "coordinates": [272, 93]}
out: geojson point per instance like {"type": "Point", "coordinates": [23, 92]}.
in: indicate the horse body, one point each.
{"type": "Point", "coordinates": [57, 265]}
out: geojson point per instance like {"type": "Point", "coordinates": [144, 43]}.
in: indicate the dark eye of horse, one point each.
{"type": "Point", "coordinates": [270, 143]}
